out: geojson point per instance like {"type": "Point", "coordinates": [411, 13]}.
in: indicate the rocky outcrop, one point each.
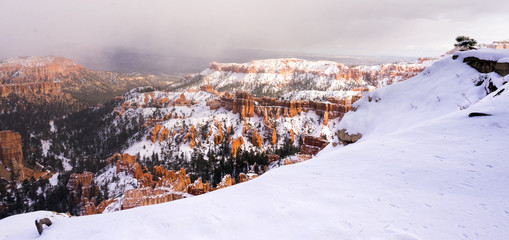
{"type": "Point", "coordinates": [218, 138]}
{"type": "Point", "coordinates": [11, 153]}
{"type": "Point", "coordinates": [40, 222]}
{"type": "Point", "coordinates": [243, 104]}
{"type": "Point", "coordinates": [155, 132]}
{"type": "Point", "coordinates": [236, 144]}
{"type": "Point", "coordinates": [485, 66]}
{"type": "Point", "coordinates": [11, 159]}
{"type": "Point", "coordinates": [312, 145]}
{"type": "Point", "coordinates": [148, 196]}
{"type": "Point", "coordinates": [30, 88]}
{"type": "Point", "coordinates": [164, 134]}
{"type": "Point", "coordinates": [37, 69]}
{"type": "Point", "coordinates": [247, 177]}
{"type": "Point", "coordinates": [271, 134]}
{"type": "Point", "coordinates": [88, 207]}
{"type": "Point", "coordinates": [80, 179]}
{"type": "Point", "coordinates": [182, 101]}
{"type": "Point", "coordinates": [347, 138]}
{"type": "Point", "coordinates": [207, 88]}
{"type": "Point", "coordinates": [198, 187]}
{"type": "Point", "coordinates": [191, 137]}
{"type": "Point", "coordinates": [256, 140]}
{"type": "Point", "coordinates": [270, 108]}
{"type": "Point", "coordinates": [227, 181]}
{"type": "Point", "coordinates": [127, 163]}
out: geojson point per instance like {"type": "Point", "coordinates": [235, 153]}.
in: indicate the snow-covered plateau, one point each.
{"type": "Point", "coordinates": [425, 168]}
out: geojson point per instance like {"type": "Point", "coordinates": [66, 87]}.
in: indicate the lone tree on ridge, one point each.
{"type": "Point", "coordinates": [465, 43]}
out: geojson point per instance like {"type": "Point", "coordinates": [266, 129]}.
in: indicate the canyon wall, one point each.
{"type": "Point", "coordinates": [247, 106]}
{"type": "Point", "coordinates": [11, 153]}
{"type": "Point", "coordinates": [37, 70]}
{"type": "Point", "coordinates": [284, 75]}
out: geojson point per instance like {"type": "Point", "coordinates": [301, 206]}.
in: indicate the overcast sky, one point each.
{"type": "Point", "coordinates": [207, 27]}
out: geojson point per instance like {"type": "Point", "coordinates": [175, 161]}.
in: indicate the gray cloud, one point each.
{"type": "Point", "coordinates": [208, 27]}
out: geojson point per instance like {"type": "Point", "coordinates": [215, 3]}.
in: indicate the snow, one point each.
{"type": "Point", "coordinates": [445, 179]}
{"type": "Point", "coordinates": [289, 74]}
{"type": "Point", "coordinates": [446, 86]}
{"type": "Point", "coordinates": [200, 114]}
{"type": "Point", "coordinates": [54, 179]}
{"type": "Point", "coordinates": [503, 60]}
{"type": "Point", "coordinates": [23, 225]}
{"type": "Point", "coordinates": [52, 126]}
{"type": "Point", "coordinates": [433, 174]}
{"type": "Point", "coordinates": [45, 144]}
{"type": "Point", "coordinates": [66, 162]}
{"type": "Point", "coordinates": [484, 54]}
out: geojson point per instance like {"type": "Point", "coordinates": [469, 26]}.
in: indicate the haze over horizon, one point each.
{"type": "Point", "coordinates": [211, 29]}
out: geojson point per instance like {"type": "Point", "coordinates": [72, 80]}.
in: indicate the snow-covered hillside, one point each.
{"type": "Point", "coordinates": [446, 86]}
{"type": "Point", "coordinates": [184, 111]}
{"type": "Point", "coordinates": [435, 173]}
{"type": "Point", "coordinates": [279, 76]}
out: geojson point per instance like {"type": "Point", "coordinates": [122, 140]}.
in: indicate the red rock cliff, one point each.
{"type": "Point", "coordinates": [36, 69]}
{"type": "Point", "coordinates": [11, 153]}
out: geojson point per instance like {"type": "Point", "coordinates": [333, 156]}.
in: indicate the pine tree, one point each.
{"type": "Point", "coordinates": [465, 43]}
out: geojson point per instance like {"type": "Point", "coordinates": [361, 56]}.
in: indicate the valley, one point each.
{"type": "Point", "coordinates": [173, 143]}
{"type": "Point", "coordinates": [416, 138]}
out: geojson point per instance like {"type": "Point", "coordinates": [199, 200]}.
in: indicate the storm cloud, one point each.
{"type": "Point", "coordinates": [193, 28]}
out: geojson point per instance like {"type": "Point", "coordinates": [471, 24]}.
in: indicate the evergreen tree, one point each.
{"type": "Point", "coordinates": [465, 43]}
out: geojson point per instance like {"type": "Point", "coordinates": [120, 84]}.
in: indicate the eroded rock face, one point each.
{"type": "Point", "coordinates": [191, 137]}
{"type": "Point", "coordinates": [127, 163]}
{"type": "Point", "coordinates": [312, 145]}
{"type": "Point", "coordinates": [247, 177]}
{"type": "Point", "coordinates": [30, 88]}
{"type": "Point", "coordinates": [281, 74]}
{"type": "Point", "coordinates": [236, 144]}
{"type": "Point", "coordinates": [11, 153]}
{"type": "Point", "coordinates": [485, 66]}
{"type": "Point", "coordinates": [91, 207]}
{"type": "Point", "coordinates": [36, 69]}
{"type": "Point", "coordinates": [84, 179]}
{"type": "Point", "coordinates": [148, 196]}
{"type": "Point", "coordinates": [155, 132]}
{"type": "Point", "coordinates": [256, 140]}
{"type": "Point", "coordinates": [270, 108]}
{"type": "Point", "coordinates": [347, 138]}
{"type": "Point", "coordinates": [58, 78]}
{"type": "Point", "coordinates": [198, 187]}
{"type": "Point", "coordinates": [164, 134]}
{"type": "Point", "coordinates": [227, 181]}
{"type": "Point", "coordinates": [243, 104]}
{"type": "Point", "coordinates": [218, 138]}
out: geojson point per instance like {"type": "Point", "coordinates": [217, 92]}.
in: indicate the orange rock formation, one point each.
{"type": "Point", "coordinates": [227, 181]}
{"type": "Point", "coordinates": [236, 144]}
{"type": "Point", "coordinates": [155, 132]}
{"type": "Point", "coordinates": [313, 145]}
{"type": "Point", "coordinates": [256, 140]}
{"type": "Point", "coordinates": [11, 153]}
{"type": "Point", "coordinates": [84, 179]}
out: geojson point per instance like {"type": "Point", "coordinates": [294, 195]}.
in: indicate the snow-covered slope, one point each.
{"type": "Point", "coordinates": [446, 86]}
{"type": "Point", "coordinates": [444, 177]}
{"type": "Point", "coordinates": [274, 77]}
